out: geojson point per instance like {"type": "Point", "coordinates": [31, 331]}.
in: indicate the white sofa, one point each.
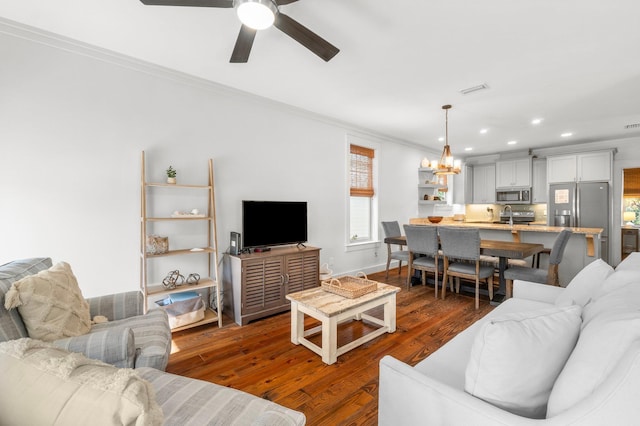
{"type": "Point", "coordinates": [573, 353]}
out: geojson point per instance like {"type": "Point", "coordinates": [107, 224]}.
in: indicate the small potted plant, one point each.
{"type": "Point", "coordinates": [171, 175]}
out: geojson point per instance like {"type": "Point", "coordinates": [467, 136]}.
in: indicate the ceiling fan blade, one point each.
{"type": "Point", "coordinates": [283, 2]}
{"type": "Point", "coordinates": [305, 37]}
{"type": "Point", "coordinates": [243, 45]}
{"type": "Point", "coordinates": [195, 3]}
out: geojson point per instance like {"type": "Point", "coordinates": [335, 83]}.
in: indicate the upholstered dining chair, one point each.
{"type": "Point", "coordinates": [423, 241]}
{"type": "Point", "coordinates": [542, 276]}
{"type": "Point", "coordinates": [392, 229]}
{"type": "Point", "coordinates": [461, 250]}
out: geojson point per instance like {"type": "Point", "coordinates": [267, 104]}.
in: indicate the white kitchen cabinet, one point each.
{"type": "Point", "coordinates": [513, 173]}
{"type": "Point", "coordinates": [463, 186]}
{"type": "Point", "coordinates": [484, 184]}
{"type": "Point", "coordinates": [584, 167]}
{"type": "Point", "coordinates": [539, 187]}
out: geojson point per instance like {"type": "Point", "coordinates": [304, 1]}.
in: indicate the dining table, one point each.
{"type": "Point", "coordinates": [503, 250]}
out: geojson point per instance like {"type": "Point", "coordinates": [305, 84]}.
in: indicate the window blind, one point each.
{"type": "Point", "coordinates": [361, 171]}
{"type": "Point", "coordinates": [631, 186]}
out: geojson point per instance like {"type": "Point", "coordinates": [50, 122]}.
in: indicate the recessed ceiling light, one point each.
{"type": "Point", "coordinates": [512, 142]}
{"type": "Point", "coordinates": [566, 135]}
{"type": "Point", "coordinates": [536, 121]}
{"type": "Point", "coordinates": [483, 131]}
{"type": "Point", "coordinates": [468, 148]}
{"type": "Point", "coordinates": [440, 139]}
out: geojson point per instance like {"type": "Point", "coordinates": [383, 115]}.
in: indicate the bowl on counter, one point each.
{"type": "Point", "coordinates": [434, 219]}
{"type": "Point", "coordinates": [458, 217]}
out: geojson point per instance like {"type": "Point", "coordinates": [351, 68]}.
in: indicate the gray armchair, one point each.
{"type": "Point", "coordinates": [129, 339]}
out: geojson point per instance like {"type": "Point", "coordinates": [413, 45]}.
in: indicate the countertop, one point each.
{"type": "Point", "coordinates": [590, 234]}
{"type": "Point", "coordinates": [505, 227]}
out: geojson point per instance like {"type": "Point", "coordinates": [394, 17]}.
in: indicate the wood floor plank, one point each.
{"type": "Point", "coordinates": [260, 359]}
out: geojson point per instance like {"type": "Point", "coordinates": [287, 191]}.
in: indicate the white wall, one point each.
{"type": "Point", "coordinates": [73, 123]}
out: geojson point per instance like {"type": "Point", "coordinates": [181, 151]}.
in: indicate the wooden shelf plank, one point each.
{"type": "Point", "coordinates": [177, 185]}
{"type": "Point", "coordinates": [158, 290]}
{"type": "Point", "coordinates": [182, 251]}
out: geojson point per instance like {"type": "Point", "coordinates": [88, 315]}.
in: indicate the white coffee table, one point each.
{"type": "Point", "coordinates": [331, 309]}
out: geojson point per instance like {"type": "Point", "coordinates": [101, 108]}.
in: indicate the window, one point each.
{"type": "Point", "coordinates": [361, 194]}
{"type": "Point", "coordinates": [631, 196]}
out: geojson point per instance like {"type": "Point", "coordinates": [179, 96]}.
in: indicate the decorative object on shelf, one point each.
{"type": "Point", "coordinates": [425, 162]}
{"type": "Point", "coordinates": [192, 213]}
{"type": "Point", "coordinates": [157, 244]}
{"type": "Point", "coordinates": [350, 287]}
{"type": "Point", "coordinates": [426, 197]}
{"type": "Point", "coordinates": [447, 165]}
{"type": "Point", "coordinates": [171, 175]}
{"type": "Point", "coordinates": [173, 279]}
{"type": "Point", "coordinates": [193, 279]}
{"type": "Point", "coordinates": [434, 219]}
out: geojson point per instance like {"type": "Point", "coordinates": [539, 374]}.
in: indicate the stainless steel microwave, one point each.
{"type": "Point", "coordinates": [513, 196]}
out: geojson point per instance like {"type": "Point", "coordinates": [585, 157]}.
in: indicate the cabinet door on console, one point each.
{"type": "Point", "coordinates": [302, 271]}
{"type": "Point", "coordinates": [263, 284]}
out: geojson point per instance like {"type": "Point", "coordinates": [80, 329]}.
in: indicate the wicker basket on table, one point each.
{"type": "Point", "coordinates": [350, 287]}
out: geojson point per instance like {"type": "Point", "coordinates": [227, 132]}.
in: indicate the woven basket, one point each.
{"type": "Point", "coordinates": [350, 287]}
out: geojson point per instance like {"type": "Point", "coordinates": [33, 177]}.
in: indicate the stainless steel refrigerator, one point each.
{"type": "Point", "coordinates": [583, 204]}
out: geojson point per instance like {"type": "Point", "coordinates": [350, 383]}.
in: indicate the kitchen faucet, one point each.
{"type": "Point", "coordinates": [510, 214]}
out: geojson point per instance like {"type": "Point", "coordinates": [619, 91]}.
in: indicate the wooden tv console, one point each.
{"type": "Point", "coordinates": [261, 281]}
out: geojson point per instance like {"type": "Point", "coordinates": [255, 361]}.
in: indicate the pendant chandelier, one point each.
{"type": "Point", "coordinates": [447, 165]}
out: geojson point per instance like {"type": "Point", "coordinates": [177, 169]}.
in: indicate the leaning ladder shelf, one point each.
{"type": "Point", "coordinates": [206, 284]}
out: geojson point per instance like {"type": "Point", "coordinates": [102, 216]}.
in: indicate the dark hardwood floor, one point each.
{"type": "Point", "coordinates": [259, 358]}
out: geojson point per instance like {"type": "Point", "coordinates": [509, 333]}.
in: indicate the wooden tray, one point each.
{"type": "Point", "coordinates": [349, 286]}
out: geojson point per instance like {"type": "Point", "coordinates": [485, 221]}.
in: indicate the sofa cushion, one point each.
{"type": "Point", "coordinates": [617, 280]}
{"type": "Point", "coordinates": [50, 304]}
{"type": "Point", "coordinates": [585, 284]}
{"type": "Point", "coordinates": [11, 325]}
{"type": "Point", "coordinates": [611, 324]}
{"type": "Point", "coordinates": [191, 402]}
{"type": "Point", "coordinates": [516, 358]}
{"type": "Point", "coordinates": [48, 385]}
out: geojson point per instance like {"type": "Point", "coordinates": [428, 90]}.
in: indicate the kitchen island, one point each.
{"type": "Point", "coordinates": [583, 246]}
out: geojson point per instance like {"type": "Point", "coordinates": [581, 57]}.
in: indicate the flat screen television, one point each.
{"type": "Point", "coordinates": [273, 223]}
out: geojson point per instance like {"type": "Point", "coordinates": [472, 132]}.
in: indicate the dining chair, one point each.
{"type": "Point", "coordinates": [423, 245]}
{"type": "Point", "coordinates": [536, 275]}
{"type": "Point", "coordinates": [461, 250]}
{"type": "Point", "coordinates": [392, 229]}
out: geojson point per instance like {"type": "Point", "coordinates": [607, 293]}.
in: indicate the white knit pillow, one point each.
{"type": "Point", "coordinates": [43, 384]}
{"type": "Point", "coordinates": [50, 304]}
{"type": "Point", "coordinates": [516, 358]}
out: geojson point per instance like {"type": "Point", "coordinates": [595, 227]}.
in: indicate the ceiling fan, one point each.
{"type": "Point", "coordinates": [256, 15]}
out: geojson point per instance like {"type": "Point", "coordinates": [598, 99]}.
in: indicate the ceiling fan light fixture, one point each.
{"type": "Point", "coordinates": [256, 14]}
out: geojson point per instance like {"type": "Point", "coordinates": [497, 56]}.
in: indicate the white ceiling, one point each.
{"type": "Point", "coordinates": [573, 63]}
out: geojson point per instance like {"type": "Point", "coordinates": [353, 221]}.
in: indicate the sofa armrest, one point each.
{"type": "Point", "coordinates": [115, 346]}
{"type": "Point", "coordinates": [535, 291]}
{"type": "Point", "coordinates": [408, 397]}
{"type": "Point", "coordinates": [117, 306]}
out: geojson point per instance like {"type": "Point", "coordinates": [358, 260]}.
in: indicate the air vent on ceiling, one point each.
{"type": "Point", "coordinates": [632, 126]}
{"type": "Point", "coordinates": [468, 90]}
